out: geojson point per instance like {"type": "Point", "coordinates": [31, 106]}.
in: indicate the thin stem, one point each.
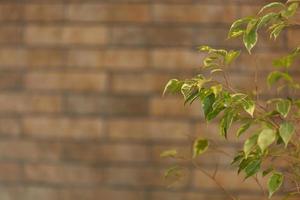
{"type": "Point", "coordinates": [260, 186]}
{"type": "Point", "coordinates": [215, 180]}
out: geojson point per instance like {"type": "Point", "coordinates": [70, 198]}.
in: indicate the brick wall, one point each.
{"type": "Point", "coordinates": [81, 113]}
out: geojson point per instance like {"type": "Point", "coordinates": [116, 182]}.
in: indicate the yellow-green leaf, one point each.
{"type": "Point", "coordinates": [274, 183]}
{"type": "Point", "coordinates": [286, 131]}
{"type": "Point", "coordinates": [266, 137]}
{"type": "Point", "coordinates": [200, 146]}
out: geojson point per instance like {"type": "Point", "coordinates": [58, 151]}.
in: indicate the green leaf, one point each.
{"type": "Point", "coordinates": [199, 147]}
{"type": "Point", "coordinates": [249, 144]}
{"type": "Point", "coordinates": [249, 106]}
{"type": "Point", "coordinates": [275, 76]}
{"type": "Point", "coordinates": [250, 36]}
{"type": "Point", "coordinates": [284, 62]}
{"type": "Point", "coordinates": [237, 158]}
{"type": "Point", "coordinates": [192, 96]}
{"type": "Point", "coordinates": [272, 5]}
{"type": "Point", "coordinates": [207, 104]}
{"type": "Point", "coordinates": [286, 131]}
{"type": "Point", "coordinates": [283, 107]}
{"type": "Point", "coordinates": [277, 28]}
{"type": "Point", "coordinates": [236, 28]}
{"type": "Point", "coordinates": [205, 48]}
{"type": "Point", "coordinates": [211, 115]}
{"type": "Point", "coordinates": [217, 89]}
{"type": "Point", "coordinates": [290, 11]}
{"type": "Point", "coordinates": [267, 171]}
{"type": "Point", "coordinates": [274, 183]}
{"type": "Point", "coordinates": [186, 90]}
{"type": "Point", "coordinates": [252, 168]}
{"type": "Point", "coordinates": [173, 171]}
{"type": "Point", "coordinates": [231, 56]}
{"type": "Point", "coordinates": [243, 128]}
{"type": "Point", "coordinates": [173, 86]}
{"type": "Point", "coordinates": [226, 122]}
{"type": "Point", "coordinates": [169, 153]}
{"type": "Point", "coordinates": [266, 137]}
{"type": "Point", "coordinates": [264, 20]}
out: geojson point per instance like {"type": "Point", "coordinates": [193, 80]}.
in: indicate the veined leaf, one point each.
{"type": "Point", "coordinates": [252, 168]}
{"type": "Point", "coordinates": [249, 106]}
{"type": "Point", "coordinates": [207, 103]}
{"type": "Point", "coordinates": [274, 183]}
{"type": "Point", "coordinates": [173, 86]}
{"type": "Point", "coordinates": [286, 131]}
{"type": "Point", "coordinates": [272, 5]}
{"type": "Point", "coordinates": [250, 36]}
{"type": "Point", "coordinates": [276, 29]}
{"type": "Point", "coordinates": [199, 147]}
{"type": "Point", "coordinates": [275, 76]}
{"type": "Point", "coordinates": [291, 10]}
{"type": "Point", "coordinates": [266, 137]}
{"type": "Point", "coordinates": [283, 107]}
{"type": "Point", "coordinates": [236, 28]}
{"type": "Point", "coordinates": [226, 122]}
{"type": "Point", "coordinates": [231, 56]}
{"type": "Point", "coordinates": [264, 20]}
{"type": "Point", "coordinates": [249, 144]}
{"type": "Point", "coordinates": [243, 128]}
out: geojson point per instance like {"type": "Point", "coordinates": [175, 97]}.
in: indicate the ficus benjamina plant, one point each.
{"type": "Point", "coordinates": [270, 127]}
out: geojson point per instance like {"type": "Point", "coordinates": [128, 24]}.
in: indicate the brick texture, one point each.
{"type": "Point", "coordinates": [81, 112]}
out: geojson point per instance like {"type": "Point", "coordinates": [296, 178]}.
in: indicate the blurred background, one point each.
{"type": "Point", "coordinates": [81, 112]}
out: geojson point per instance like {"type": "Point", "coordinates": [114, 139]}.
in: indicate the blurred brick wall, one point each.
{"type": "Point", "coordinates": [81, 113]}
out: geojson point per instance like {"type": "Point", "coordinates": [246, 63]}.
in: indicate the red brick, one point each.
{"type": "Point", "coordinates": [105, 153]}
{"type": "Point", "coordinates": [138, 83]}
{"type": "Point", "coordinates": [109, 12]}
{"type": "Point", "coordinates": [46, 35]}
{"type": "Point", "coordinates": [110, 59]}
{"type": "Point", "coordinates": [10, 127]}
{"type": "Point", "coordinates": [65, 35]}
{"type": "Point", "coordinates": [11, 12]}
{"type": "Point", "coordinates": [30, 151]}
{"type": "Point", "coordinates": [176, 59]}
{"type": "Point", "coordinates": [10, 34]}
{"type": "Point", "coordinates": [10, 172]}
{"type": "Point", "coordinates": [94, 35]}
{"type": "Point", "coordinates": [45, 58]}
{"type": "Point", "coordinates": [45, 12]}
{"type": "Point", "coordinates": [10, 81]}
{"type": "Point", "coordinates": [24, 103]}
{"type": "Point", "coordinates": [146, 129]}
{"type": "Point", "coordinates": [37, 192]}
{"type": "Point", "coordinates": [119, 59]}
{"type": "Point", "coordinates": [110, 106]}
{"type": "Point", "coordinates": [12, 58]}
{"type": "Point", "coordinates": [174, 107]}
{"type": "Point", "coordinates": [63, 128]}
{"type": "Point", "coordinates": [66, 81]}
{"type": "Point", "coordinates": [62, 174]}
{"type": "Point", "coordinates": [104, 193]}
{"type": "Point", "coordinates": [195, 13]}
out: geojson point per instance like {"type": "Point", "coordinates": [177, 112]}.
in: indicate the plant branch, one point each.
{"type": "Point", "coordinates": [215, 181]}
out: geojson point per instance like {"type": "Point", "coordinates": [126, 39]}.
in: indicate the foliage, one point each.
{"type": "Point", "coordinates": [271, 126]}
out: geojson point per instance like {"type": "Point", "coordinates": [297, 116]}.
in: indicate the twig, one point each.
{"type": "Point", "coordinates": [215, 180]}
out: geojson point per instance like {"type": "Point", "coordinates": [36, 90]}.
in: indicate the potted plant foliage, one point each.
{"type": "Point", "coordinates": [269, 127]}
